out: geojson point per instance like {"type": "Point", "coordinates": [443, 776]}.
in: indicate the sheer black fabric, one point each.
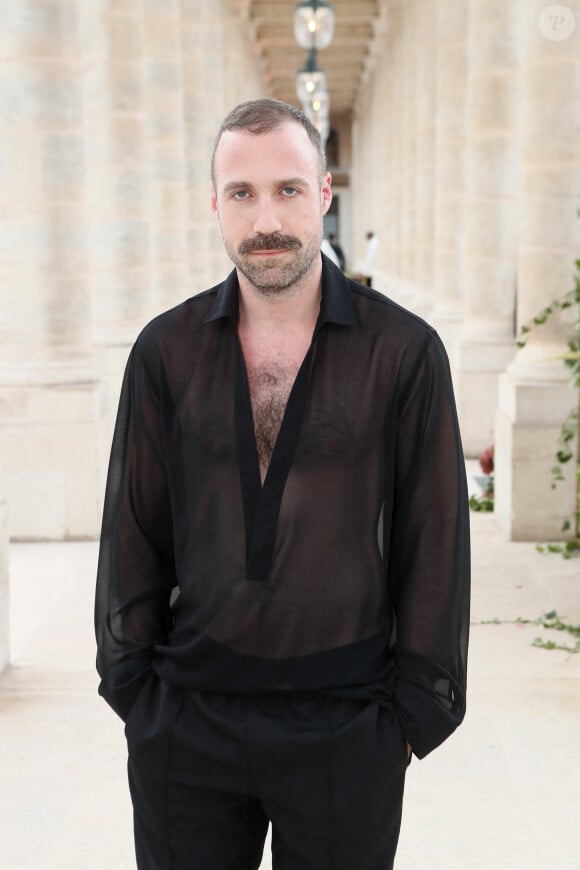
{"type": "Point", "coordinates": [346, 573]}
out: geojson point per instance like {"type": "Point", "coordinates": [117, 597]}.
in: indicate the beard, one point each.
{"type": "Point", "coordinates": [273, 275]}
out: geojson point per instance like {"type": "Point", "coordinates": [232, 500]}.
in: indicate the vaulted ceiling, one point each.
{"type": "Point", "coordinates": [345, 61]}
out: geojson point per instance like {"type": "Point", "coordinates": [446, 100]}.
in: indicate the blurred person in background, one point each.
{"type": "Point", "coordinates": [337, 250]}
{"type": "Point", "coordinates": [368, 267]}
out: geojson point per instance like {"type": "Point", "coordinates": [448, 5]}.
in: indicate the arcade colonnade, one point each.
{"type": "Point", "coordinates": [466, 164]}
{"type": "Point", "coordinates": [108, 109]}
{"type": "Point", "coordinates": [465, 161]}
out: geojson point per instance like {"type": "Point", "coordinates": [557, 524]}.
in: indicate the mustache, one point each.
{"type": "Point", "coordinates": [268, 243]}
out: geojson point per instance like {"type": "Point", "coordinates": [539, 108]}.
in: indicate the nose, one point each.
{"type": "Point", "coordinates": [266, 220]}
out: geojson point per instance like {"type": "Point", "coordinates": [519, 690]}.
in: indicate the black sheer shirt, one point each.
{"type": "Point", "coordinates": [345, 573]}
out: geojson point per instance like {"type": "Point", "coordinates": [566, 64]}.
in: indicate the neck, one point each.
{"type": "Point", "coordinates": [298, 305]}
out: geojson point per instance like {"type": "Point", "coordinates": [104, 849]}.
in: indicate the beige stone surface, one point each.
{"type": "Point", "coordinates": [548, 238]}
{"type": "Point", "coordinates": [4, 581]}
{"type": "Point", "coordinates": [504, 792]}
{"type": "Point", "coordinates": [450, 119]}
{"type": "Point", "coordinates": [50, 444]}
{"type": "Point", "coordinates": [491, 212]}
{"type": "Point", "coordinates": [527, 507]}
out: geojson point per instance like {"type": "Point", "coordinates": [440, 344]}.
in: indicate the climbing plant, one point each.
{"type": "Point", "coordinates": [569, 437]}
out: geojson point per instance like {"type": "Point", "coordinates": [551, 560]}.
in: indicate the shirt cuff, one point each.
{"type": "Point", "coordinates": [427, 716]}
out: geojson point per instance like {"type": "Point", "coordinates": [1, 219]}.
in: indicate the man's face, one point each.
{"type": "Point", "coordinates": [269, 201]}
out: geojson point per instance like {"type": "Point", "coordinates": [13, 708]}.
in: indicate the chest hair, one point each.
{"type": "Point", "coordinates": [270, 385]}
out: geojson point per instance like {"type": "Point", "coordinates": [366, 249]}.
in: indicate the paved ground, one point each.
{"type": "Point", "coordinates": [504, 792]}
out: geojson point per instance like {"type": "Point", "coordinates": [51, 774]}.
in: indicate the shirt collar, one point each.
{"type": "Point", "coordinates": [225, 303]}
{"type": "Point", "coordinates": [336, 305]}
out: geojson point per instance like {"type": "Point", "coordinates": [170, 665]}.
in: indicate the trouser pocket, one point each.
{"type": "Point", "coordinates": [154, 711]}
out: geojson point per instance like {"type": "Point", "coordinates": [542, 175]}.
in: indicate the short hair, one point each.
{"type": "Point", "coordinates": [262, 116]}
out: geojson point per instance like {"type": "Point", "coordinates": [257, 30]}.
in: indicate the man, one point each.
{"type": "Point", "coordinates": [327, 249]}
{"type": "Point", "coordinates": [337, 248]}
{"type": "Point", "coordinates": [282, 599]}
{"type": "Point", "coordinates": [370, 258]}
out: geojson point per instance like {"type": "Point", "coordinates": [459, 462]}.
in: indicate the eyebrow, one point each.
{"type": "Point", "coordinates": [297, 181]}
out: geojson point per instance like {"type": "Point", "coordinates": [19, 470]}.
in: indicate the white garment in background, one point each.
{"type": "Point", "coordinates": [371, 257]}
{"type": "Point", "coordinates": [327, 249]}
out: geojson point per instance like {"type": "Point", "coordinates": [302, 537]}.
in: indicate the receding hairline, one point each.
{"type": "Point", "coordinates": [259, 117]}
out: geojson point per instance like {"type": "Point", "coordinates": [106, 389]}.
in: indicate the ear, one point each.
{"type": "Point", "coordinates": [213, 201]}
{"type": "Point", "coordinates": [326, 192]}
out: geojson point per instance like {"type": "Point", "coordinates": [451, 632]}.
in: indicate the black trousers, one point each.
{"type": "Point", "coordinates": [207, 773]}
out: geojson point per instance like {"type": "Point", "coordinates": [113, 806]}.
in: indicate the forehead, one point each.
{"type": "Point", "coordinates": [285, 151]}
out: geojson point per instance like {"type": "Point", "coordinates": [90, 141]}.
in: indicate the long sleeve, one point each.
{"type": "Point", "coordinates": [136, 566]}
{"type": "Point", "coordinates": [429, 564]}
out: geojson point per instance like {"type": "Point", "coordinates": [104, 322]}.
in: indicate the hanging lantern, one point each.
{"type": "Point", "coordinates": [314, 24]}
{"type": "Point", "coordinates": [310, 80]}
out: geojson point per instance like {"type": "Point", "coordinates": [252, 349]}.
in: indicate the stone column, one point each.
{"type": "Point", "coordinates": [4, 582]}
{"type": "Point", "coordinates": [365, 194]}
{"type": "Point", "coordinates": [379, 214]}
{"type": "Point", "coordinates": [426, 61]}
{"type": "Point", "coordinates": [202, 75]}
{"type": "Point", "coordinates": [384, 139]}
{"type": "Point", "coordinates": [241, 58]}
{"type": "Point", "coordinates": [118, 183]}
{"type": "Point", "coordinates": [486, 342]}
{"type": "Point", "coordinates": [377, 143]}
{"type": "Point", "coordinates": [408, 86]}
{"type": "Point", "coordinates": [387, 100]}
{"type": "Point", "coordinates": [118, 167]}
{"type": "Point", "coordinates": [219, 70]}
{"type": "Point", "coordinates": [534, 393]}
{"type": "Point", "coordinates": [166, 157]}
{"type": "Point", "coordinates": [49, 395]}
{"type": "Point", "coordinates": [358, 191]}
{"type": "Point", "coordinates": [395, 53]}
{"type": "Point", "coordinates": [450, 75]}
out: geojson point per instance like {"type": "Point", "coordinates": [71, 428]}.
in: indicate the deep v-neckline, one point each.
{"type": "Point", "coordinates": [262, 501]}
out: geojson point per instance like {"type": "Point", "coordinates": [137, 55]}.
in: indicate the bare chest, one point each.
{"type": "Point", "coordinates": [271, 376]}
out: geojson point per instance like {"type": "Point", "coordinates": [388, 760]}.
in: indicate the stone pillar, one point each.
{"type": "Point", "coordinates": [379, 206]}
{"type": "Point", "coordinates": [388, 96]}
{"type": "Point", "coordinates": [426, 21]}
{"type": "Point", "coordinates": [118, 167]}
{"type": "Point", "coordinates": [219, 70]}
{"type": "Point", "coordinates": [49, 392]}
{"type": "Point", "coordinates": [395, 53]}
{"type": "Point", "coordinates": [202, 75]}
{"type": "Point", "coordinates": [408, 86]}
{"type": "Point", "coordinates": [4, 582]}
{"type": "Point", "coordinates": [166, 158]}
{"type": "Point", "coordinates": [358, 190]}
{"type": "Point", "coordinates": [376, 195]}
{"type": "Point", "coordinates": [365, 194]}
{"type": "Point", "coordinates": [486, 342]}
{"type": "Point", "coordinates": [118, 182]}
{"type": "Point", "coordinates": [534, 393]}
{"type": "Point", "coordinates": [451, 75]}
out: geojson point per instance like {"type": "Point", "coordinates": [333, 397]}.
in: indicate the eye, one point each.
{"type": "Point", "coordinates": [240, 194]}
{"type": "Point", "coordinates": [289, 191]}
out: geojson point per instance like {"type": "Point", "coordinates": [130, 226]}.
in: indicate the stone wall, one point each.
{"type": "Point", "coordinates": [4, 583]}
